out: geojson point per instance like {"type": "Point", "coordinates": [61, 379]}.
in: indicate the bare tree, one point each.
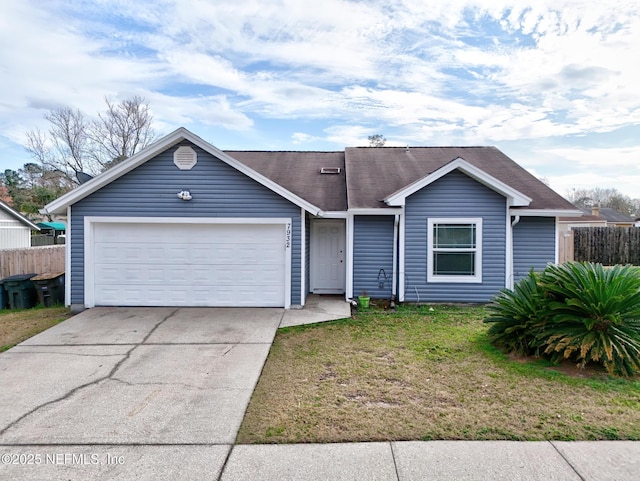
{"type": "Point", "coordinates": [376, 140]}
{"type": "Point", "coordinates": [66, 145]}
{"type": "Point", "coordinates": [122, 130]}
{"type": "Point", "coordinates": [75, 144]}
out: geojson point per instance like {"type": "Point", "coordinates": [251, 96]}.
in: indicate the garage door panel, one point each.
{"type": "Point", "coordinates": [189, 265]}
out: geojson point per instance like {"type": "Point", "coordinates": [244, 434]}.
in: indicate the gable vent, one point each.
{"type": "Point", "coordinates": [185, 158]}
{"type": "Point", "coordinates": [330, 170]}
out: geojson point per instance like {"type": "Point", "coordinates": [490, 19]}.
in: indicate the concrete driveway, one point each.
{"type": "Point", "coordinates": [137, 387]}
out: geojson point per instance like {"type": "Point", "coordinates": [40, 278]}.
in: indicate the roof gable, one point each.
{"type": "Point", "coordinates": [515, 198]}
{"type": "Point", "coordinates": [376, 173]}
{"type": "Point", "coordinates": [59, 205]}
{"type": "Point", "coordinates": [18, 216]}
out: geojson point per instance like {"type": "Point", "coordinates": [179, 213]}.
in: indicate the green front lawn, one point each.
{"type": "Point", "coordinates": [16, 325]}
{"type": "Point", "coordinates": [427, 373]}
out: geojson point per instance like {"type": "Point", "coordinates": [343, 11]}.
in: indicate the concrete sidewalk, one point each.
{"type": "Point", "coordinates": [437, 461]}
{"type": "Point", "coordinates": [396, 461]}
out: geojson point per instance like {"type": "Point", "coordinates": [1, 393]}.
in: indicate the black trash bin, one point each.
{"type": "Point", "coordinates": [4, 302]}
{"type": "Point", "coordinates": [21, 292]}
{"type": "Point", "coordinates": [50, 288]}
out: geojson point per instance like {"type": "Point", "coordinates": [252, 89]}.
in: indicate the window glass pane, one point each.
{"type": "Point", "coordinates": [454, 263]}
{"type": "Point", "coordinates": [454, 236]}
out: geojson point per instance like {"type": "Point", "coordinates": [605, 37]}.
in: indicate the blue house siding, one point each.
{"type": "Point", "coordinates": [534, 245]}
{"type": "Point", "coordinates": [150, 190]}
{"type": "Point", "coordinates": [454, 195]}
{"type": "Point", "coordinates": [372, 251]}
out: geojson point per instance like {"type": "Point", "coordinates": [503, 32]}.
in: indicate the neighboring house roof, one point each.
{"type": "Point", "coordinates": [367, 177]}
{"type": "Point", "coordinates": [612, 215]}
{"type": "Point", "coordinates": [52, 225]}
{"type": "Point", "coordinates": [601, 215]}
{"type": "Point", "coordinates": [16, 215]}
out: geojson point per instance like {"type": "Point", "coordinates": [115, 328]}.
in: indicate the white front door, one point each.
{"type": "Point", "coordinates": [327, 256]}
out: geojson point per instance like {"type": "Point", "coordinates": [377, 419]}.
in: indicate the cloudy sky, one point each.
{"type": "Point", "coordinates": [552, 83]}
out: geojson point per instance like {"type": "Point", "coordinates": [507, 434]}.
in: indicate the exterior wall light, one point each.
{"type": "Point", "coordinates": [184, 195]}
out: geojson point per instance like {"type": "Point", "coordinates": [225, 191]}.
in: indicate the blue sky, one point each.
{"type": "Point", "coordinates": [553, 84]}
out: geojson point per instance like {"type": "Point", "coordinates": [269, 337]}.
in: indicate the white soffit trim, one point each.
{"type": "Point", "coordinates": [59, 205]}
{"type": "Point", "coordinates": [546, 212]}
{"type": "Point", "coordinates": [364, 211]}
{"type": "Point", "coordinates": [517, 198]}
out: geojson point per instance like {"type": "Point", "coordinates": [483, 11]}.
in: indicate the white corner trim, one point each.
{"type": "Point", "coordinates": [508, 262]}
{"type": "Point", "coordinates": [401, 255]}
{"type": "Point", "coordinates": [516, 198]}
{"type": "Point", "coordinates": [349, 267]}
{"type": "Point", "coordinates": [303, 255]}
{"type": "Point", "coordinates": [67, 260]}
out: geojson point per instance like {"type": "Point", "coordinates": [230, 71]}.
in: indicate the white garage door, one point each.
{"type": "Point", "coordinates": [138, 264]}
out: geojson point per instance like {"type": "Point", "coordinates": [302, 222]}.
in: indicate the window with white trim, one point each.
{"type": "Point", "coordinates": [454, 249]}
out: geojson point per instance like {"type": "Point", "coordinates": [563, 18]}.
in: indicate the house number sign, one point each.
{"type": "Point", "coordinates": [287, 236]}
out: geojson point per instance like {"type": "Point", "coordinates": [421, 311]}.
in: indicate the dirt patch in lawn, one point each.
{"type": "Point", "coordinates": [18, 325]}
{"type": "Point", "coordinates": [420, 375]}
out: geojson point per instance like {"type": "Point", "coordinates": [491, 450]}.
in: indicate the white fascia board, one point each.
{"type": "Point", "coordinates": [59, 205]}
{"type": "Point", "coordinates": [332, 214]}
{"type": "Point", "coordinates": [18, 216]}
{"type": "Point", "coordinates": [364, 211]}
{"type": "Point", "coordinates": [516, 198]}
{"type": "Point", "coordinates": [546, 212]}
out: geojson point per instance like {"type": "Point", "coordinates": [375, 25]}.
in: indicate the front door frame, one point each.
{"type": "Point", "coordinates": [314, 261]}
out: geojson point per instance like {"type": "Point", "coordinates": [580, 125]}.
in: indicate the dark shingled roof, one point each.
{"type": "Point", "coordinates": [374, 173]}
{"type": "Point", "coordinates": [370, 174]}
{"type": "Point", "coordinates": [299, 173]}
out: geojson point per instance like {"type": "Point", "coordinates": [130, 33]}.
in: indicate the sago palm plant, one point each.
{"type": "Point", "coordinates": [517, 316]}
{"type": "Point", "coordinates": [595, 315]}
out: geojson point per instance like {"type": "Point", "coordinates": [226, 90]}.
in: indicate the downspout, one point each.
{"type": "Point", "coordinates": [394, 286]}
{"type": "Point", "coordinates": [515, 221]}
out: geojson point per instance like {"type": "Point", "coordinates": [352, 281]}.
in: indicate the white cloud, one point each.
{"type": "Point", "coordinates": [537, 72]}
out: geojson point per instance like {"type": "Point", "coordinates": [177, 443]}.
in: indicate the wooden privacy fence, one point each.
{"type": "Point", "coordinates": [34, 259]}
{"type": "Point", "coordinates": [607, 245]}
{"type": "Point", "coordinates": [565, 246]}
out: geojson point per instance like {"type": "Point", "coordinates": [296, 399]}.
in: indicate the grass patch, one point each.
{"type": "Point", "coordinates": [17, 325]}
{"type": "Point", "coordinates": [422, 374]}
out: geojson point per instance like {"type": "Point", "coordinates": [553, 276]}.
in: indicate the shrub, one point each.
{"type": "Point", "coordinates": [516, 316]}
{"type": "Point", "coordinates": [595, 315]}
{"type": "Point", "coordinates": [579, 311]}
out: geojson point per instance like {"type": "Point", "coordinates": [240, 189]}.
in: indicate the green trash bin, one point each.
{"type": "Point", "coordinates": [50, 288]}
{"type": "Point", "coordinates": [21, 292]}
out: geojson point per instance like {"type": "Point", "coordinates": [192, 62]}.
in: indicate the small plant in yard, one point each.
{"type": "Point", "coordinates": [516, 316]}
{"type": "Point", "coordinates": [579, 311]}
